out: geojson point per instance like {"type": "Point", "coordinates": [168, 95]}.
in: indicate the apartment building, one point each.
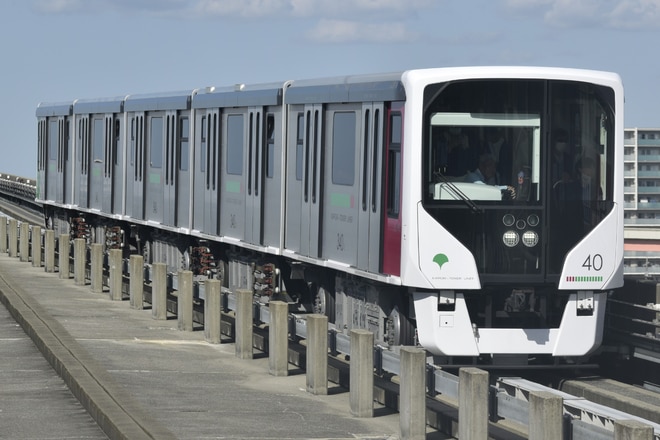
{"type": "Point", "coordinates": [642, 201]}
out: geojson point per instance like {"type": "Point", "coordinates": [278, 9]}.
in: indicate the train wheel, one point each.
{"type": "Point", "coordinates": [400, 330]}
{"type": "Point", "coordinates": [324, 301]}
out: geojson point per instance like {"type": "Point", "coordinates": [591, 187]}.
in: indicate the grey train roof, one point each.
{"type": "Point", "coordinates": [354, 88]}
{"type": "Point", "coordinates": [158, 101]}
{"type": "Point", "coordinates": [54, 109]}
{"type": "Point", "coordinates": [240, 95]}
{"type": "Point", "coordinates": [102, 105]}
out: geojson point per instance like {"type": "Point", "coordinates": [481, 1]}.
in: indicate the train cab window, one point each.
{"type": "Point", "coordinates": [235, 144]}
{"type": "Point", "coordinates": [343, 148]}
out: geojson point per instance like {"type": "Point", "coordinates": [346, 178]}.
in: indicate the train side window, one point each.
{"type": "Point", "coordinates": [117, 142]}
{"type": "Point", "coordinates": [270, 146]}
{"type": "Point", "coordinates": [394, 166]}
{"type": "Point", "coordinates": [184, 145]}
{"type": "Point", "coordinates": [235, 144]}
{"type": "Point", "coordinates": [343, 148]}
{"type": "Point", "coordinates": [300, 139]}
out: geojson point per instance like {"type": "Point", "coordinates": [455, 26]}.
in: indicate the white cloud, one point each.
{"type": "Point", "coordinates": [597, 13]}
{"type": "Point", "coordinates": [342, 31]}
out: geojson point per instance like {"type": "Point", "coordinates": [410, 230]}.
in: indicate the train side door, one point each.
{"type": "Point", "coordinates": [117, 165]}
{"type": "Point", "coordinates": [312, 171]}
{"type": "Point", "coordinates": [273, 194]}
{"type": "Point", "coordinates": [53, 148]}
{"type": "Point", "coordinates": [371, 169]}
{"type": "Point", "coordinates": [255, 177]}
{"type": "Point", "coordinates": [182, 170]}
{"type": "Point", "coordinates": [154, 173]}
{"type": "Point", "coordinates": [206, 177]}
{"type": "Point", "coordinates": [169, 169]}
{"type": "Point", "coordinates": [108, 163]}
{"type": "Point", "coordinates": [67, 163]}
{"type": "Point", "coordinates": [82, 160]}
{"type": "Point", "coordinates": [234, 179]}
{"type": "Point", "coordinates": [136, 176]}
{"type": "Point", "coordinates": [342, 184]}
{"type": "Point", "coordinates": [97, 163]}
{"type": "Point", "coordinates": [295, 145]}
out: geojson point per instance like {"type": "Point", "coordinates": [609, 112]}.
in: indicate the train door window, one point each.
{"type": "Point", "coordinates": [52, 139]}
{"type": "Point", "coordinates": [116, 142]}
{"type": "Point", "coordinates": [270, 146]}
{"type": "Point", "coordinates": [204, 147]}
{"type": "Point", "coordinates": [343, 148]}
{"type": "Point", "coordinates": [394, 165]}
{"type": "Point", "coordinates": [132, 152]}
{"type": "Point", "coordinates": [300, 140]}
{"type": "Point", "coordinates": [98, 144]}
{"type": "Point", "coordinates": [184, 145]}
{"type": "Point", "coordinates": [156, 143]}
{"type": "Point", "coordinates": [235, 144]}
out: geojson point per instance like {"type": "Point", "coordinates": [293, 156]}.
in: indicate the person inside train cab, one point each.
{"type": "Point", "coordinates": [455, 156]}
{"type": "Point", "coordinates": [487, 174]}
{"type": "Point", "coordinates": [497, 146]}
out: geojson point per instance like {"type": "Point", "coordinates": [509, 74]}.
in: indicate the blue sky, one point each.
{"type": "Point", "coordinates": [60, 50]}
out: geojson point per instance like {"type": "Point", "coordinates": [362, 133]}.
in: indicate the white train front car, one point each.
{"type": "Point", "coordinates": [512, 212]}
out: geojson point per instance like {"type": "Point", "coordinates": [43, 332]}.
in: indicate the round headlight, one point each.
{"type": "Point", "coordinates": [510, 238]}
{"type": "Point", "coordinates": [530, 238]}
{"type": "Point", "coordinates": [508, 220]}
{"type": "Point", "coordinates": [533, 220]}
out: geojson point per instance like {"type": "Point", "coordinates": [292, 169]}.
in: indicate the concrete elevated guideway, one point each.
{"type": "Point", "coordinates": [153, 381]}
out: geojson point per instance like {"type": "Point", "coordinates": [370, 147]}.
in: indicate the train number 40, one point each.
{"type": "Point", "coordinates": [594, 262]}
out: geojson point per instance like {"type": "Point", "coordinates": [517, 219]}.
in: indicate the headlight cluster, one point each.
{"type": "Point", "coordinates": [511, 237]}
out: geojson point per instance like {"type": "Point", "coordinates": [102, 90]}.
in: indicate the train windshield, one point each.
{"type": "Point", "coordinates": [518, 170]}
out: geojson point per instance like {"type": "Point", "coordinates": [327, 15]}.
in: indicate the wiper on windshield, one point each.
{"type": "Point", "coordinates": [457, 193]}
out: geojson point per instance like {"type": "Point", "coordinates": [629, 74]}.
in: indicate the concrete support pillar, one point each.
{"type": "Point", "coordinates": [278, 338]}
{"type": "Point", "coordinates": [136, 281]}
{"type": "Point", "coordinates": [159, 291]}
{"type": "Point", "coordinates": [79, 261]}
{"type": "Point", "coordinates": [362, 373]}
{"type": "Point", "coordinates": [546, 412]}
{"type": "Point", "coordinates": [184, 303]}
{"type": "Point", "coordinates": [96, 273]}
{"type": "Point", "coordinates": [49, 250]}
{"type": "Point", "coordinates": [244, 318]}
{"type": "Point", "coordinates": [632, 430]}
{"type": "Point", "coordinates": [473, 404]}
{"type": "Point", "coordinates": [412, 394]}
{"type": "Point", "coordinates": [13, 237]}
{"type": "Point", "coordinates": [116, 274]}
{"type": "Point", "coordinates": [36, 246]}
{"type": "Point", "coordinates": [3, 234]}
{"type": "Point", "coordinates": [213, 311]}
{"type": "Point", "coordinates": [317, 354]}
{"type": "Point", "coordinates": [64, 255]}
{"type": "Point", "coordinates": [24, 242]}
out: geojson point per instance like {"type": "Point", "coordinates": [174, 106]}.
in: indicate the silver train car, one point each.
{"type": "Point", "coordinates": [474, 211]}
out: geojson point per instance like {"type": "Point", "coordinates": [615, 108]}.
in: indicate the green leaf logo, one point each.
{"type": "Point", "coordinates": [440, 259]}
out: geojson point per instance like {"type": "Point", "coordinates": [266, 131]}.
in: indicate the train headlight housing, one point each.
{"type": "Point", "coordinates": [510, 238]}
{"type": "Point", "coordinates": [530, 238]}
